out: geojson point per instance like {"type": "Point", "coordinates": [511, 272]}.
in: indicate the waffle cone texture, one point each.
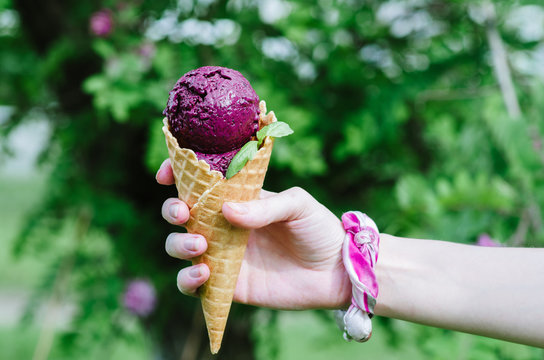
{"type": "Point", "coordinates": [205, 191]}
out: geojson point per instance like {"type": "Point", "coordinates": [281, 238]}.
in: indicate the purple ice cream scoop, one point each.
{"type": "Point", "coordinates": [219, 162]}
{"type": "Point", "coordinates": [214, 111]}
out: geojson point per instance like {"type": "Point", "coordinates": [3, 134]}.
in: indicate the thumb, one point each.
{"type": "Point", "coordinates": [287, 205]}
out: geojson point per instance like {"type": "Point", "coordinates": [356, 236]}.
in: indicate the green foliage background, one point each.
{"type": "Point", "coordinates": [396, 108]}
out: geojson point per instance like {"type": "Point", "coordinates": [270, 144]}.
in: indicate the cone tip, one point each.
{"type": "Point", "coordinates": [214, 348]}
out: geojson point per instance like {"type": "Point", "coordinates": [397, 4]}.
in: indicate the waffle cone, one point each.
{"type": "Point", "coordinates": [205, 191]}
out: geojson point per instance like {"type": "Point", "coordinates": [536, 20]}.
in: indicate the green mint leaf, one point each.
{"type": "Point", "coordinates": [246, 153]}
{"type": "Point", "coordinates": [276, 129]}
{"type": "Point", "coordinates": [249, 150]}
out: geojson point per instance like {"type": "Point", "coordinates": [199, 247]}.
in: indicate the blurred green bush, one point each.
{"type": "Point", "coordinates": [396, 107]}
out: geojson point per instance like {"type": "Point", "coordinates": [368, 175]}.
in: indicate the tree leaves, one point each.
{"type": "Point", "coordinates": [371, 95]}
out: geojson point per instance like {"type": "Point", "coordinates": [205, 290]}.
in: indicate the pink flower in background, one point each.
{"type": "Point", "coordinates": [147, 50]}
{"type": "Point", "coordinates": [140, 297]}
{"type": "Point", "coordinates": [101, 23]}
{"type": "Point", "coordinates": [486, 240]}
{"type": "Point", "coordinates": [537, 144]}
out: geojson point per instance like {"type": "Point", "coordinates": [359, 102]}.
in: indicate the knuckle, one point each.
{"type": "Point", "coordinates": [297, 191]}
{"type": "Point", "coordinates": [179, 216]}
{"type": "Point", "coordinates": [299, 195]}
{"type": "Point", "coordinates": [301, 201]}
{"type": "Point", "coordinates": [176, 246]}
{"type": "Point", "coordinates": [181, 283]}
{"type": "Point", "coordinates": [169, 244]}
{"type": "Point", "coordinates": [165, 206]}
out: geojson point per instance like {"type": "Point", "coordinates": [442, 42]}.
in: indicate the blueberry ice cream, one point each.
{"type": "Point", "coordinates": [214, 111]}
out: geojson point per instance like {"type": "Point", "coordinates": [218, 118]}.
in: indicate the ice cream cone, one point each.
{"type": "Point", "coordinates": [205, 192]}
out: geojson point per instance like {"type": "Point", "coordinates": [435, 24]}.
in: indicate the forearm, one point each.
{"type": "Point", "coordinates": [494, 292]}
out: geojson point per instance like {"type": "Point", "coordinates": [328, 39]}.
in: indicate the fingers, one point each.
{"type": "Point", "coordinates": [266, 194]}
{"type": "Point", "coordinates": [165, 176]}
{"type": "Point", "coordinates": [182, 245]}
{"type": "Point", "coordinates": [175, 211]}
{"type": "Point", "coordinates": [287, 205]}
{"type": "Point", "coordinates": [185, 246]}
{"type": "Point", "coordinates": [192, 277]}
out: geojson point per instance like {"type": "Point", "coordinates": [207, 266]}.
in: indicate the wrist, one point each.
{"type": "Point", "coordinates": [405, 273]}
{"type": "Point", "coordinates": [342, 298]}
{"type": "Point", "coordinates": [385, 272]}
{"type": "Point", "coordinates": [359, 256]}
{"type": "Point", "coordinates": [345, 288]}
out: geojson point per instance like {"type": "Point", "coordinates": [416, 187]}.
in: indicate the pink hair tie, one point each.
{"type": "Point", "coordinates": [359, 254]}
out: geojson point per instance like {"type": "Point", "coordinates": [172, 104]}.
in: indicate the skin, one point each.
{"type": "Point", "coordinates": [287, 250]}
{"type": "Point", "coordinates": [294, 259]}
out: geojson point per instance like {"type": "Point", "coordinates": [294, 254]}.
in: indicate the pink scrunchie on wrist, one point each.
{"type": "Point", "coordinates": [359, 254]}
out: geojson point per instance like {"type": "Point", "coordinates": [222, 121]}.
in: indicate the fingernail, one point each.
{"type": "Point", "coordinates": [191, 244]}
{"type": "Point", "coordinates": [238, 208]}
{"type": "Point", "coordinates": [174, 210]}
{"type": "Point", "coordinates": [195, 272]}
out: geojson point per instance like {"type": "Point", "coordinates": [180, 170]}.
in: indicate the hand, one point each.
{"type": "Point", "coordinates": [293, 258]}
